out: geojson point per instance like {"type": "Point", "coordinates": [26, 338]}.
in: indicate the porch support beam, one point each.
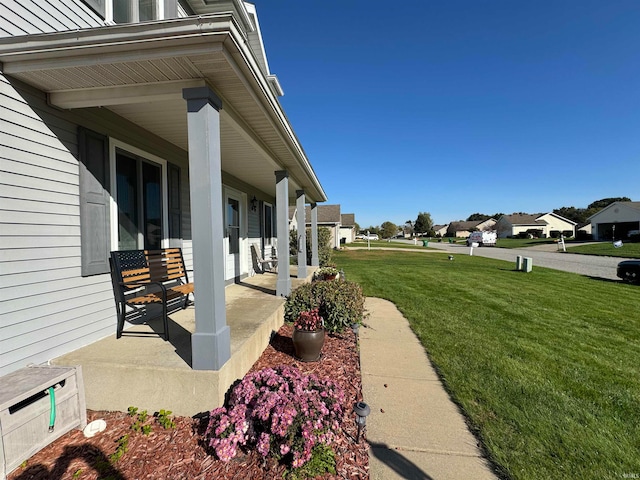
{"type": "Point", "coordinates": [315, 260]}
{"type": "Point", "coordinates": [122, 94]}
{"type": "Point", "coordinates": [211, 342]}
{"type": "Point", "coordinates": [302, 233]}
{"type": "Point", "coordinates": [283, 285]}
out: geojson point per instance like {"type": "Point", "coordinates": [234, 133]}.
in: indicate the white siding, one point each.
{"type": "Point", "coordinates": [25, 17]}
{"type": "Point", "coordinates": [47, 307]}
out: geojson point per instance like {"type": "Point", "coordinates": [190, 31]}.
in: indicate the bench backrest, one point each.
{"type": "Point", "coordinates": [130, 268]}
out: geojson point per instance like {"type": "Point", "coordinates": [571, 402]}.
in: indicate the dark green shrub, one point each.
{"type": "Point", "coordinates": [324, 245]}
{"type": "Point", "coordinates": [341, 304]}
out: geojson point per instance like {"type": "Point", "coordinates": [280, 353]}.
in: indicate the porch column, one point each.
{"type": "Point", "coordinates": [315, 262]}
{"type": "Point", "coordinates": [302, 233]}
{"type": "Point", "coordinates": [283, 286]}
{"type": "Point", "coordinates": [211, 342]}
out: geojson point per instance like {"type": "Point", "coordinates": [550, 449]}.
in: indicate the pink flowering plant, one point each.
{"type": "Point", "coordinates": [309, 321]}
{"type": "Point", "coordinates": [279, 411]}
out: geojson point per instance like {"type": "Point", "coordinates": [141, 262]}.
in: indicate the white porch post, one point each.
{"type": "Point", "coordinates": [283, 286]}
{"type": "Point", "coordinates": [211, 342]}
{"type": "Point", "coordinates": [302, 234]}
{"type": "Point", "coordinates": [315, 261]}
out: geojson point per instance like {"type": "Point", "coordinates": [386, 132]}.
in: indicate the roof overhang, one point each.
{"type": "Point", "coordinates": [139, 71]}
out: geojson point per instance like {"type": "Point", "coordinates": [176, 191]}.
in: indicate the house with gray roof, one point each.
{"type": "Point", "coordinates": [615, 221]}
{"type": "Point", "coordinates": [347, 227]}
{"type": "Point", "coordinates": [464, 229]}
{"type": "Point", "coordinates": [328, 216]}
{"type": "Point", "coordinates": [540, 225]}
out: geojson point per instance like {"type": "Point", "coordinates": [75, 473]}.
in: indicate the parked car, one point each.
{"type": "Point", "coordinates": [629, 271]}
{"type": "Point", "coordinates": [372, 236]}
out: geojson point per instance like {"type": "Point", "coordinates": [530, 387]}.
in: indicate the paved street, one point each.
{"type": "Point", "coordinates": [590, 265]}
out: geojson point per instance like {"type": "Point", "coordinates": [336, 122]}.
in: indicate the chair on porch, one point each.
{"type": "Point", "coordinates": [260, 263]}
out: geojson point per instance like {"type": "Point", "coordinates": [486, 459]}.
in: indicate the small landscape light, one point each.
{"type": "Point", "coordinates": [450, 257]}
{"type": "Point", "coordinates": [361, 410]}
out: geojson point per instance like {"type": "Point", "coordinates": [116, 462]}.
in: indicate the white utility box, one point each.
{"type": "Point", "coordinates": [25, 410]}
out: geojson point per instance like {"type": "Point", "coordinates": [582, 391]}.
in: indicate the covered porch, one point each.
{"type": "Point", "coordinates": [203, 87]}
{"type": "Point", "coordinates": [150, 373]}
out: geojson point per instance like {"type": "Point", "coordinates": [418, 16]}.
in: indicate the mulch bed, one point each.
{"type": "Point", "coordinates": [179, 453]}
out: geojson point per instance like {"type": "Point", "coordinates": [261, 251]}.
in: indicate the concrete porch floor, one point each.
{"type": "Point", "coordinates": [147, 372]}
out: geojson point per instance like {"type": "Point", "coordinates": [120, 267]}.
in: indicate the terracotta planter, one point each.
{"type": "Point", "coordinates": [308, 344]}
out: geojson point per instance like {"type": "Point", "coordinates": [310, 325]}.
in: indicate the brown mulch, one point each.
{"type": "Point", "coordinates": [179, 453]}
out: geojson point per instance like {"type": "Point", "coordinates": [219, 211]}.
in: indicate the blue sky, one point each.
{"type": "Point", "coordinates": [454, 107]}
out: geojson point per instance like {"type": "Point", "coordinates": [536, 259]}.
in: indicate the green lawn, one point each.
{"type": "Point", "coordinates": [629, 250]}
{"type": "Point", "coordinates": [545, 365]}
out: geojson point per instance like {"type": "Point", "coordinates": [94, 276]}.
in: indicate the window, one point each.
{"type": "Point", "coordinates": [267, 224]}
{"type": "Point", "coordinates": [132, 11]}
{"type": "Point", "coordinates": [139, 202]}
{"type": "Point", "coordinates": [233, 225]}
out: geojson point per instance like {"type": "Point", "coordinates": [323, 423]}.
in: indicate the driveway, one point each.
{"type": "Point", "coordinates": [589, 265]}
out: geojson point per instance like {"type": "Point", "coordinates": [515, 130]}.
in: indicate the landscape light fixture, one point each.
{"type": "Point", "coordinates": [254, 204]}
{"type": "Point", "coordinates": [361, 410]}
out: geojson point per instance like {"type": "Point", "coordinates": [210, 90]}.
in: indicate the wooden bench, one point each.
{"type": "Point", "coordinates": [145, 277]}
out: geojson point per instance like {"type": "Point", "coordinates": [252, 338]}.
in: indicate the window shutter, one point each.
{"type": "Point", "coordinates": [175, 214]}
{"type": "Point", "coordinates": [93, 154]}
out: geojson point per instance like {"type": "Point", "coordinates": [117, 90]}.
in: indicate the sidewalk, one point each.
{"type": "Point", "coordinates": [415, 431]}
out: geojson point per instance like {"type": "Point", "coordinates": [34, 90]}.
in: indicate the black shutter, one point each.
{"type": "Point", "coordinates": [93, 154]}
{"type": "Point", "coordinates": [175, 214]}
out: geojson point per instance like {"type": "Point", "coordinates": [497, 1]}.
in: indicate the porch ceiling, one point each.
{"type": "Point", "coordinates": [139, 71]}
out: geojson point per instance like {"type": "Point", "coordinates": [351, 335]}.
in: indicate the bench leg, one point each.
{"type": "Point", "coordinates": [165, 317]}
{"type": "Point", "coordinates": [120, 307]}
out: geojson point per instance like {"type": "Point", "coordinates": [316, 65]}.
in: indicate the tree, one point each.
{"type": "Point", "coordinates": [408, 228]}
{"type": "Point", "coordinates": [423, 223]}
{"type": "Point", "coordinates": [477, 217]}
{"type": "Point", "coordinates": [580, 215]}
{"type": "Point", "coordinates": [388, 230]}
{"type": "Point", "coordinates": [605, 202]}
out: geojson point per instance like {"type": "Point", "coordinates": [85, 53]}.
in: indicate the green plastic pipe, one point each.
{"type": "Point", "coordinates": [52, 414]}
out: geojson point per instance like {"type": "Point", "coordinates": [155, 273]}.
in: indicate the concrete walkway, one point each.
{"type": "Point", "coordinates": [415, 431]}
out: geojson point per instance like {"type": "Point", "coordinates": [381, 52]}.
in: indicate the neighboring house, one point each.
{"type": "Point", "coordinates": [347, 227]}
{"type": "Point", "coordinates": [583, 230]}
{"type": "Point", "coordinates": [116, 134]}
{"type": "Point", "coordinates": [615, 221]}
{"type": "Point", "coordinates": [328, 216]}
{"type": "Point", "coordinates": [440, 230]}
{"type": "Point", "coordinates": [541, 225]}
{"type": "Point", "coordinates": [464, 229]}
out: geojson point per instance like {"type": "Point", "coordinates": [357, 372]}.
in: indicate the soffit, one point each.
{"type": "Point", "coordinates": [139, 71]}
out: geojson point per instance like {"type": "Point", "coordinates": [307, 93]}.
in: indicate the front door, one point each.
{"type": "Point", "coordinates": [234, 235]}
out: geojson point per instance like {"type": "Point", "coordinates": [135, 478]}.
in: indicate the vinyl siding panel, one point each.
{"type": "Point", "coordinates": [26, 17]}
{"type": "Point", "coordinates": [48, 308]}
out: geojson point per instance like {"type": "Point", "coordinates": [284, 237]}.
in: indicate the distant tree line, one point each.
{"type": "Point", "coordinates": [423, 224]}
{"type": "Point", "coordinates": [578, 215]}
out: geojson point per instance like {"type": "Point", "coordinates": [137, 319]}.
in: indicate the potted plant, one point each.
{"type": "Point", "coordinates": [340, 304]}
{"type": "Point", "coordinates": [328, 272]}
{"type": "Point", "coordinates": [308, 335]}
